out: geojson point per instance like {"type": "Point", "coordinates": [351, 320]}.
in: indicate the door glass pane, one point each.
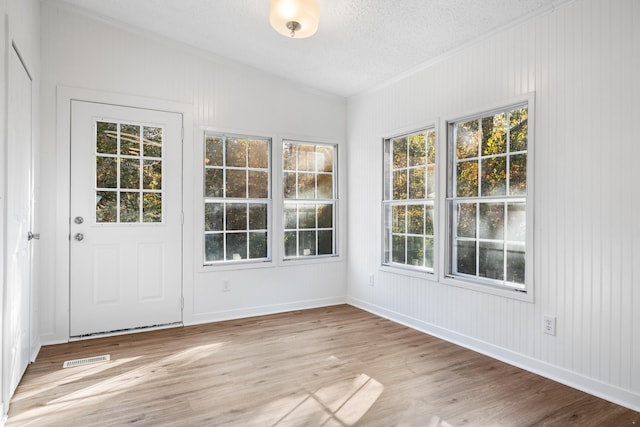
{"type": "Point", "coordinates": [106, 206]}
{"type": "Point", "coordinates": [152, 207]}
{"type": "Point", "coordinates": [152, 141]}
{"type": "Point", "coordinates": [126, 170]}
{"type": "Point", "coordinates": [129, 207]}
{"type": "Point", "coordinates": [106, 138]}
{"type": "Point", "coordinates": [106, 172]}
{"type": "Point", "coordinates": [152, 175]}
{"type": "Point", "coordinates": [129, 173]}
{"type": "Point", "coordinates": [129, 140]}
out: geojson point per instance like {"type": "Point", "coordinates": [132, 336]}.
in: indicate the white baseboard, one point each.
{"type": "Point", "coordinates": [263, 310]}
{"type": "Point", "coordinates": [564, 376]}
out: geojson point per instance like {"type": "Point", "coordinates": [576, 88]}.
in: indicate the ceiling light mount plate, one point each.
{"type": "Point", "coordinates": [295, 18]}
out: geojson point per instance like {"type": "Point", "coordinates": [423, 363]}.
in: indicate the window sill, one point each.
{"type": "Point", "coordinates": [323, 259]}
{"type": "Point", "coordinates": [411, 272]}
{"type": "Point", "coordinates": [488, 289]}
{"type": "Point", "coordinates": [231, 266]}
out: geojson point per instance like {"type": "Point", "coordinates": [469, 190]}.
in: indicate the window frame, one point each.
{"type": "Point", "coordinates": [245, 262]}
{"type": "Point", "coordinates": [334, 202]}
{"type": "Point", "coordinates": [388, 203]}
{"type": "Point", "coordinates": [447, 158]}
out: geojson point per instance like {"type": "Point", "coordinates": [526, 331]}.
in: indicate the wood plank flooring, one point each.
{"type": "Point", "coordinates": [333, 366]}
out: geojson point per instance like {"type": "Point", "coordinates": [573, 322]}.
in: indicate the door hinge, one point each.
{"type": "Point", "coordinates": [182, 219]}
{"type": "Point", "coordinates": [182, 134]}
{"type": "Point", "coordinates": [182, 303]}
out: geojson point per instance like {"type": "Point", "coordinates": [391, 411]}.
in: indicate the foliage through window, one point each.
{"type": "Point", "coordinates": [310, 199]}
{"type": "Point", "coordinates": [128, 173]}
{"type": "Point", "coordinates": [409, 197]}
{"type": "Point", "coordinates": [487, 197]}
{"type": "Point", "coordinates": [237, 203]}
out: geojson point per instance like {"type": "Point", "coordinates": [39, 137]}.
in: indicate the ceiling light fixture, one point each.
{"type": "Point", "coordinates": [295, 18]}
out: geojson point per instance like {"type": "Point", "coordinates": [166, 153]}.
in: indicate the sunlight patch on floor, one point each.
{"type": "Point", "coordinates": [105, 389]}
{"type": "Point", "coordinates": [340, 403]}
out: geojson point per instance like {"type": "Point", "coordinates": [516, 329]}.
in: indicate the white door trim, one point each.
{"type": "Point", "coordinates": [65, 95]}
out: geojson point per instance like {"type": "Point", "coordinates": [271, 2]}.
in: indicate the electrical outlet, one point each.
{"type": "Point", "coordinates": [549, 325]}
{"type": "Point", "coordinates": [371, 280]}
{"type": "Point", "coordinates": [226, 287]}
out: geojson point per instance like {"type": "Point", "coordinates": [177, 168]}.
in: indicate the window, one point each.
{"type": "Point", "coordinates": [310, 199]}
{"type": "Point", "coordinates": [487, 197]}
{"type": "Point", "coordinates": [409, 196]}
{"type": "Point", "coordinates": [237, 203]}
{"type": "Point", "coordinates": [128, 173]}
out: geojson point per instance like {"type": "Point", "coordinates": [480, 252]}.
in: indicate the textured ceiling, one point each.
{"type": "Point", "coordinates": [359, 44]}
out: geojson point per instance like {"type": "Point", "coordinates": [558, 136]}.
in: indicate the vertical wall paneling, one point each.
{"type": "Point", "coordinates": [581, 61]}
{"type": "Point", "coordinates": [81, 51]}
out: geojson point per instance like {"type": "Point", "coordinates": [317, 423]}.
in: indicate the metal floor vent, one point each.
{"type": "Point", "coordinates": [86, 361]}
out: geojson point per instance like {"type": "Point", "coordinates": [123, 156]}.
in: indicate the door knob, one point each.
{"type": "Point", "coordinates": [31, 236]}
{"type": "Point", "coordinates": [79, 236]}
{"type": "Point", "coordinates": [78, 220]}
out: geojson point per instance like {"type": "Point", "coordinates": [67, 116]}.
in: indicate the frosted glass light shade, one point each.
{"type": "Point", "coordinates": [306, 13]}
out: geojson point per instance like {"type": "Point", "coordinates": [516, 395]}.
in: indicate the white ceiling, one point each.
{"type": "Point", "coordinates": [359, 44]}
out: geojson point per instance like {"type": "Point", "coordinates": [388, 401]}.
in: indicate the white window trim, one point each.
{"type": "Point", "coordinates": [442, 161]}
{"type": "Point", "coordinates": [199, 240]}
{"type": "Point", "coordinates": [337, 221]}
{"type": "Point", "coordinates": [408, 270]}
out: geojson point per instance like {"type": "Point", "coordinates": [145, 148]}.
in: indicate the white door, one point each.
{"type": "Point", "coordinates": [19, 217]}
{"type": "Point", "coordinates": [126, 218]}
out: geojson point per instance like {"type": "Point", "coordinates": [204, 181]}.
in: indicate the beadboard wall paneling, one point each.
{"type": "Point", "coordinates": [80, 51]}
{"type": "Point", "coordinates": [582, 62]}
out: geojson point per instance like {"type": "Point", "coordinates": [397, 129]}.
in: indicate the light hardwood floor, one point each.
{"type": "Point", "coordinates": [333, 366]}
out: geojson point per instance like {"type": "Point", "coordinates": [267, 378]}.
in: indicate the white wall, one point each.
{"type": "Point", "coordinates": [19, 25]}
{"type": "Point", "coordinates": [82, 52]}
{"type": "Point", "coordinates": [583, 62]}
